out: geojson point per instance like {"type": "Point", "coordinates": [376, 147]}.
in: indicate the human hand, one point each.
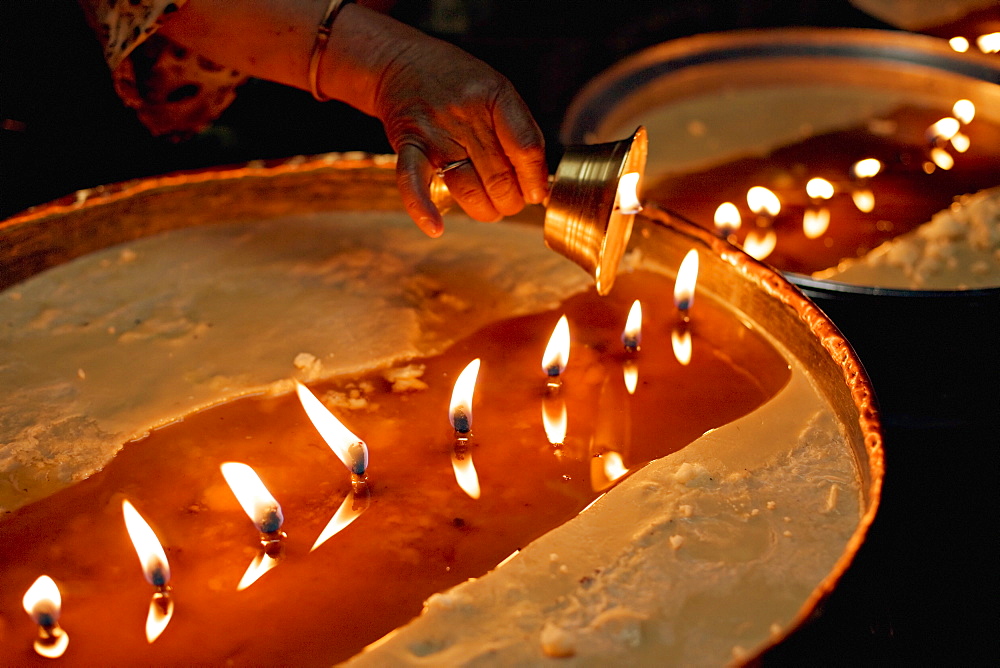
{"type": "Point", "coordinates": [442, 106]}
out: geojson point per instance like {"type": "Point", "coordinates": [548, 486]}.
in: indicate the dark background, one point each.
{"type": "Point", "coordinates": [923, 589]}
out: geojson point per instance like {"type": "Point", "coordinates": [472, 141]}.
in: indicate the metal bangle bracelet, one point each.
{"type": "Point", "coordinates": [319, 45]}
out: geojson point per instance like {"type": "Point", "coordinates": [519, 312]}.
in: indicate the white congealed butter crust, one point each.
{"type": "Point", "coordinates": [699, 558]}
{"type": "Point", "coordinates": [958, 249]}
{"type": "Point", "coordinates": [99, 351]}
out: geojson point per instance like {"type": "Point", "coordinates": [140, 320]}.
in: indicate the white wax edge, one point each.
{"type": "Point", "coordinates": [99, 351]}
{"type": "Point", "coordinates": [610, 585]}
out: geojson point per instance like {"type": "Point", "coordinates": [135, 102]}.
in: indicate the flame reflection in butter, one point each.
{"type": "Point", "coordinates": [43, 602]}
{"type": "Point", "coordinates": [465, 471]}
{"type": "Point", "coordinates": [356, 502]}
{"type": "Point", "coordinates": [554, 419]}
{"type": "Point", "coordinates": [680, 339]}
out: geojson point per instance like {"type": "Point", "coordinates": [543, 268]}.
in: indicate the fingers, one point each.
{"type": "Point", "coordinates": [413, 174]}
{"type": "Point", "coordinates": [523, 144]}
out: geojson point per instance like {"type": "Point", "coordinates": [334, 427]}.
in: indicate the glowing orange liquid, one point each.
{"type": "Point", "coordinates": [421, 534]}
{"type": "Point", "coordinates": [905, 196]}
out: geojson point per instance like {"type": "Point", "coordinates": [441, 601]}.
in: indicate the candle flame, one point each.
{"type": "Point", "coordinates": [630, 372]}
{"type": "Point", "coordinates": [759, 245]}
{"type": "Point", "coordinates": [964, 111]}
{"type": "Point", "coordinates": [628, 196]}
{"type": "Point", "coordinates": [867, 168]}
{"type": "Point", "coordinates": [944, 129]}
{"type": "Point", "coordinates": [687, 279]}
{"type": "Point", "coordinates": [44, 603]}
{"type": "Point", "coordinates": [151, 555]}
{"type": "Point", "coordinates": [460, 411]}
{"type": "Point", "coordinates": [554, 419]}
{"type": "Point", "coordinates": [465, 472]}
{"type": "Point", "coordinates": [161, 611]}
{"type": "Point", "coordinates": [959, 44]}
{"type": "Point", "coordinates": [815, 222]}
{"type": "Point", "coordinates": [819, 188]}
{"type": "Point", "coordinates": [680, 338]}
{"type": "Point", "coordinates": [350, 509]}
{"type": "Point", "coordinates": [351, 450]}
{"type": "Point", "coordinates": [632, 334]}
{"type": "Point", "coordinates": [961, 142]}
{"type": "Point", "coordinates": [262, 508]}
{"type": "Point", "coordinates": [761, 200]}
{"type": "Point", "coordinates": [556, 354]}
{"type": "Point", "coordinates": [864, 200]}
{"type": "Point", "coordinates": [727, 218]}
{"type": "Point", "coordinates": [942, 158]}
{"type": "Point", "coordinates": [989, 43]}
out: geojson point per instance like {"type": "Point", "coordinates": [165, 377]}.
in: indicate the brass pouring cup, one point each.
{"type": "Point", "coordinates": [582, 219]}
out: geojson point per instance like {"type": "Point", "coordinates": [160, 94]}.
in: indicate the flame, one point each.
{"type": "Point", "coordinates": [556, 354]}
{"type": "Point", "coordinates": [632, 334]}
{"type": "Point", "coordinates": [460, 411]}
{"type": "Point", "coordinates": [944, 129]}
{"type": "Point", "coordinates": [759, 245]}
{"type": "Point", "coordinates": [261, 564]}
{"type": "Point", "coordinates": [961, 142]}
{"type": "Point", "coordinates": [161, 611]}
{"type": "Point", "coordinates": [989, 43]}
{"type": "Point", "coordinates": [262, 508]}
{"type": "Point", "coordinates": [687, 279]}
{"type": "Point", "coordinates": [350, 509]}
{"type": "Point", "coordinates": [727, 218]}
{"type": "Point", "coordinates": [680, 338]}
{"type": "Point", "coordinates": [351, 450]}
{"type": "Point", "coordinates": [44, 603]}
{"type": "Point", "coordinates": [554, 419]}
{"type": "Point", "coordinates": [815, 222]}
{"type": "Point", "coordinates": [818, 188]}
{"type": "Point", "coordinates": [959, 44]}
{"type": "Point", "coordinates": [942, 158]}
{"type": "Point", "coordinates": [761, 200]}
{"type": "Point", "coordinates": [147, 546]}
{"type": "Point", "coordinates": [964, 111]}
{"type": "Point", "coordinates": [867, 168]}
{"type": "Point", "coordinates": [864, 200]}
{"type": "Point", "coordinates": [628, 196]}
{"type": "Point", "coordinates": [630, 372]}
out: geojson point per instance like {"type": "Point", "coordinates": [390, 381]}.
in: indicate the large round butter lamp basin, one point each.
{"type": "Point", "coordinates": [784, 109]}
{"type": "Point", "coordinates": [690, 491]}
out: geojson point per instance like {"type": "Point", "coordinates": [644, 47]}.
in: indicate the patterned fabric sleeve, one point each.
{"type": "Point", "coordinates": [175, 93]}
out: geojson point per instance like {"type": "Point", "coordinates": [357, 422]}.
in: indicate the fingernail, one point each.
{"type": "Point", "coordinates": [536, 196]}
{"type": "Point", "coordinates": [431, 227]}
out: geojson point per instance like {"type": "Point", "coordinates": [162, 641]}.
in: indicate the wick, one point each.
{"type": "Point", "coordinates": [462, 442]}
{"type": "Point", "coordinates": [631, 344]}
{"type": "Point", "coordinates": [357, 454]}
